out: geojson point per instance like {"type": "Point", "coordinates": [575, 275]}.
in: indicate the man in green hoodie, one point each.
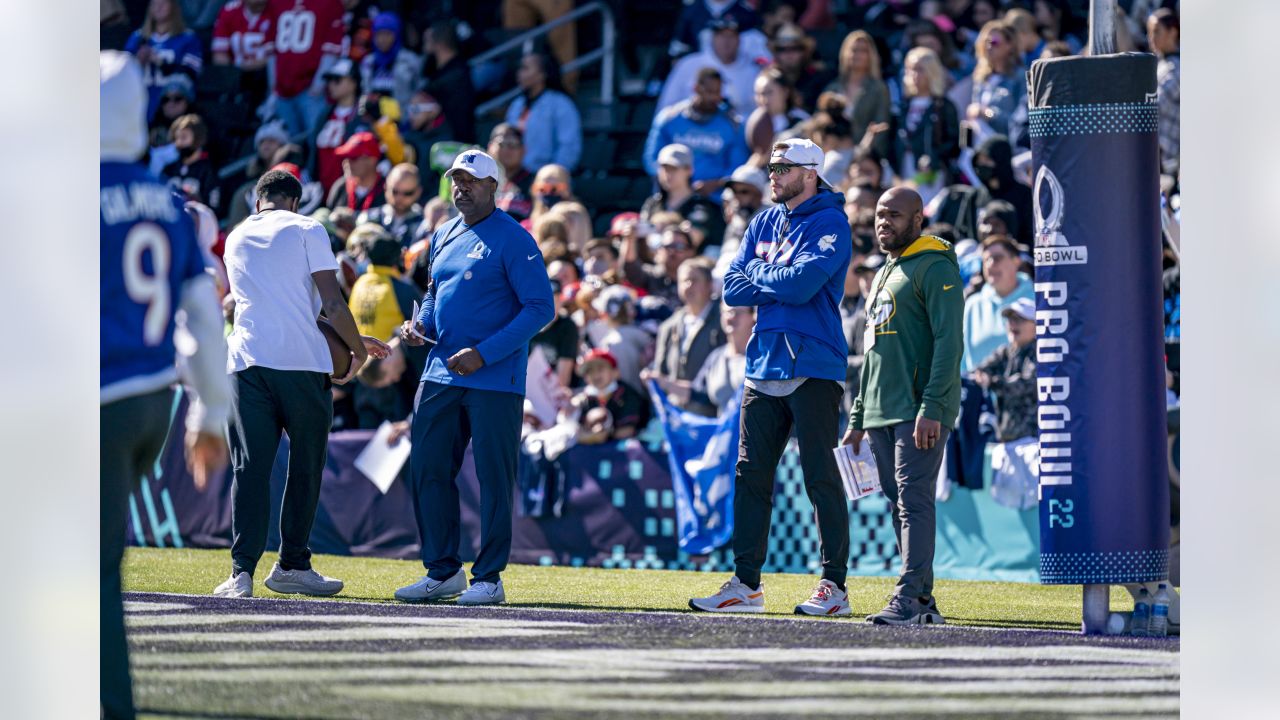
{"type": "Point", "coordinates": [909, 396]}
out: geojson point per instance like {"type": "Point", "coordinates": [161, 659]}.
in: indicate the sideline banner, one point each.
{"type": "Point", "coordinates": [1104, 483]}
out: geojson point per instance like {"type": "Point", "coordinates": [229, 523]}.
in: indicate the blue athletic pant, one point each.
{"type": "Point", "coordinates": [445, 419]}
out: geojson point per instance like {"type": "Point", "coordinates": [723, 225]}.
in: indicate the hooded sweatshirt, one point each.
{"type": "Point", "coordinates": [791, 265]}
{"type": "Point", "coordinates": [913, 367]}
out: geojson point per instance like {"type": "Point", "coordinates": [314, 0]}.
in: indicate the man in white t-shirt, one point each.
{"type": "Point", "coordinates": [282, 275]}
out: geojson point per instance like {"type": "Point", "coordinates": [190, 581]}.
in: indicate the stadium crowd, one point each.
{"type": "Point", "coordinates": [366, 101]}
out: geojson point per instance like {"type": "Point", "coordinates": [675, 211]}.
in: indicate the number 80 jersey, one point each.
{"type": "Point", "coordinates": [148, 251]}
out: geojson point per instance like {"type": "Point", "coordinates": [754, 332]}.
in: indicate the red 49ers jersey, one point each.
{"type": "Point", "coordinates": [305, 30]}
{"type": "Point", "coordinates": [246, 37]}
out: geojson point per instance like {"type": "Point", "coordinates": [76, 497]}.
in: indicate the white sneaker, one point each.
{"type": "Point", "coordinates": [428, 589]}
{"type": "Point", "coordinates": [483, 593]}
{"type": "Point", "coordinates": [733, 597]}
{"type": "Point", "coordinates": [301, 582]}
{"type": "Point", "coordinates": [827, 599]}
{"type": "Point", "coordinates": [236, 586]}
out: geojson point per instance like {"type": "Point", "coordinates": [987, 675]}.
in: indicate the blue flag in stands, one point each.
{"type": "Point", "coordinates": [702, 454]}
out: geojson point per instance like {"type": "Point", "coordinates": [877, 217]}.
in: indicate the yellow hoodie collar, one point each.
{"type": "Point", "coordinates": [926, 243]}
{"type": "Point", "coordinates": [387, 271]}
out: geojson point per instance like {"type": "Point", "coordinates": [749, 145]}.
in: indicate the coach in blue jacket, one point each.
{"type": "Point", "coordinates": [487, 297]}
{"type": "Point", "coordinates": [791, 267]}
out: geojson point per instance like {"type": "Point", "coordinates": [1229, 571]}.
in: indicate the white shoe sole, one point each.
{"type": "Point", "coordinates": [232, 594]}
{"type": "Point", "coordinates": [495, 601]}
{"type": "Point", "coordinates": [843, 611]}
{"type": "Point", "coordinates": [288, 588]}
{"type": "Point", "coordinates": [741, 608]}
{"type": "Point", "coordinates": [921, 619]}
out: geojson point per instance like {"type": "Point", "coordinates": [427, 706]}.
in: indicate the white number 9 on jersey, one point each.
{"type": "Point", "coordinates": [150, 290]}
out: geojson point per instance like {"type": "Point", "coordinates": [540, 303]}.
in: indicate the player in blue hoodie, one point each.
{"type": "Point", "coordinates": [791, 267]}
{"type": "Point", "coordinates": [488, 295]}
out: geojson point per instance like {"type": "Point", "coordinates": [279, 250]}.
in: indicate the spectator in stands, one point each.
{"type": "Point", "coordinates": [853, 319]}
{"type": "Point", "coordinates": [545, 114]}
{"type": "Point", "coordinates": [343, 121]}
{"type": "Point", "coordinates": [361, 185]}
{"type": "Point", "coordinates": [686, 339]}
{"type": "Point", "coordinates": [998, 86]}
{"type": "Point", "coordinates": [659, 278]}
{"type": "Point", "coordinates": [747, 189]}
{"type": "Point", "coordinates": [713, 134]}
{"type": "Point", "coordinates": [178, 99]}
{"type": "Point", "coordinates": [271, 136]}
{"type": "Point", "coordinates": [401, 215]}
{"type": "Point", "coordinates": [698, 15]}
{"type": "Point", "coordinates": [1164, 37]}
{"type": "Point", "coordinates": [997, 217]}
{"type": "Point", "coordinates": [866, 170]}
{"type": "Point", "coordinates": [725, 368]}
{"type": "Point", "coordinates": [424, 126]}
{"type": "Point", "coordinates": [526, 14]}
{"type": "Point", "coordinates": [832, 131]}
{"type": "Point", "coordinates": [777, 111]}
{"type": "Point", "coordinates": [993, 164]}
{"type": "Point", "coordinates": [792, 52]}
{"type": "Point", "coordinates": [608, 409]}
{"type": "Point", "coordinates": [309, 41]}
{"type": "Point", "coordinates": [551, 185]}
{"type": "Point", "coordinates": [928, 34]}
{"type": "Point", "coordinates": [1025, 36]}
{"type": "Point", "coordinates": [390, 69]}
{"type": "Point", "coordinates": [506, 145]}
{"type": "Point", "coordinates": [164, 48]}
{"type": "Point", "coordinates": [380, 301]}
{"type": "Point", "coordinates": [984, 329]}
{"type": "Point", "coordinates": [381, 115]}
{"type": "Point", "coordinates": [736, 67]}
{"type": "Point", "coordinates": [927, 138]}
{"type": "Point", "coordinates": [449, 79]}
{"type": "Point", "coordinates": [578, 221]}
{"type": "Point", "coordinates": [866, 95]}
{"type": "Point", "coordinates": [243, 35]}
{"type": "Point", "coordinates": [385, 389]}
{"type": "Point", "coordinates": [1009, 373]}
{"type": "Point", "coordinates": [551, 233]}
{"type": "Point", "coordinates": [631, 347]}
{"type": "Point", "coordinates": [1050, 22]}
{"type": "Point", "coordinates": [675, 194]}
{"type": "Point", "coordinates": [559, 341]}
{"type": "Point", "coordinates": [292, 159]}
{"type": "Point", "coordinates": [192, 173]}
{"type": "Point", "coordinates": [600, 258]}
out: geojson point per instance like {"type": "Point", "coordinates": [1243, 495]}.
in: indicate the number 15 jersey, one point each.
{"type": "Point", "coordinates": [148, 251]}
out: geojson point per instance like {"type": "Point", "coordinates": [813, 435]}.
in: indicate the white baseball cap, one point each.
{"type": "Point", "coordinates": [122, 132]}
{"type": "Point", "coordinates": [1022, 307]}
{"type": "Point", "coordinates": [799, 151]}
{"type": "Point", "coordinates": [476, 163]}
{"type": "Point", "coordinates": [677, 155]}
{"type": "Point", "coordinates": [752, 176]}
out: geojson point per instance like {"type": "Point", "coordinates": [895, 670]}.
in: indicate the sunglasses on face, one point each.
{"type": "Point", "coordinates": [557, 188]}
{"type": "Point", "coordinates": [175, 98]}
{"type": "Point", "coordinates": [510, 144]}
{"type": "Point", "coordinates": [403, 193]}
{"type": "Point", "coordinates": [790, 48]}
{"type": "Point", "coordinates": [675, 247]}
{"type": "Point", "coordinates": [784, 168]}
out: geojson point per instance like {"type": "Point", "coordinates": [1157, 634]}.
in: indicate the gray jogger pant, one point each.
{"type": "Point", "coordinates": [909, 479]}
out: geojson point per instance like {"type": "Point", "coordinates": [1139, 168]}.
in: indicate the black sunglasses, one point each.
{"type": "Point", "coordinates": [784, 168]}
{"type": "Point", "coordinates": [175, 98]}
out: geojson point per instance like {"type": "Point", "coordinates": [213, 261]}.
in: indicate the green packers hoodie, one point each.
{"type": "Point", "coordinates": [912, 364]}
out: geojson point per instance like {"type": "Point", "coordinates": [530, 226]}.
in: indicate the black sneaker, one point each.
{"type": "Point", "coordinates": [931, 614]}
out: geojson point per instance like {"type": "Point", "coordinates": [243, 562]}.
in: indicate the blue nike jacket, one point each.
{"type": "Point", "coordinates": [490, 293]}
{"type": "Point", "coordinates": [791, 265]}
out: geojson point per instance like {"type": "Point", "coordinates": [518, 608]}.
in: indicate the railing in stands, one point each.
{"type": "Point", "coordinates": [604, 54]}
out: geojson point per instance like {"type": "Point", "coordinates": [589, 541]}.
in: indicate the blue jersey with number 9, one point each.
{"type": "Point", "coordinates": [148, 250]}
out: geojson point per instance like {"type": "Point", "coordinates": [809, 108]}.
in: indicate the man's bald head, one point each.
{"type": "Point", "coordinates": [899, 218]}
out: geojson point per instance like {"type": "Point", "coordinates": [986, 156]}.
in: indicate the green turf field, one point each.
{"type": "Point", "coordinates": [991, 604]}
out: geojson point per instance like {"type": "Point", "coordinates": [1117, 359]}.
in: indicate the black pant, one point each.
{"type": "Point", "coordinates": [131, 437]}
{"type": "Point", "coordinates": [267, 402]}
{"type": "Point", "coordinates": [814, 410]}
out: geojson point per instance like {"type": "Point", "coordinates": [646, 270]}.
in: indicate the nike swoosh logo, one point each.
{"type": "Point", "coordinates": [947, 287]}
{"type": "Point", "coordinates": [532, 256]}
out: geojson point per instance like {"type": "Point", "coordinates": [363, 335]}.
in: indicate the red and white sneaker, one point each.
{"type": "Point", "coordinates": [827, 599]}
{"type": "Point", "coordinates": [734, 597]}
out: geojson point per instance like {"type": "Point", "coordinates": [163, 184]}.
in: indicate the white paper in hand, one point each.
{"type": "Point", "coordinates": [857, 470]}
{"type": "Point", "coordinates": [413, 326]}
{"type": "Point", "coordinates": [380, 462]}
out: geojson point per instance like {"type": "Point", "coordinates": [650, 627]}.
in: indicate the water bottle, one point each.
{"type": "Point", "coordinates": [1160, 612]}
{"type": "Point", "coordinates": [1141, 622]}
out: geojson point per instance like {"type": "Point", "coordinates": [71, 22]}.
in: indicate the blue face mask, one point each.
{"type": "Point", "coordinates": [550, 199]}
{"type": "Point", "coordinates": [362, 266]}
